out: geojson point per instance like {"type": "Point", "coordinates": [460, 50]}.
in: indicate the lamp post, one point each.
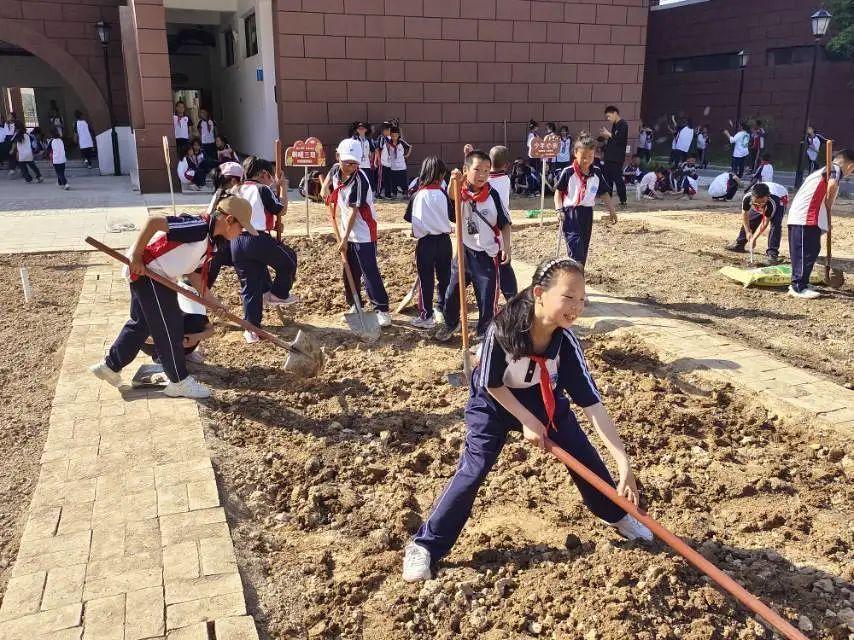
{"type": "Point", "coordinates": [743, 59]}
{"type": "Point", "coordinates": [819, 22]}
{"type": "Point", "coordinates": [104, 30]}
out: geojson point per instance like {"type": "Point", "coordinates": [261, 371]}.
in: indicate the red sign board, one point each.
{"type": "Point", "coordinates": [305, 153]}
{"type": "Point", "coordinates": [547, 147]}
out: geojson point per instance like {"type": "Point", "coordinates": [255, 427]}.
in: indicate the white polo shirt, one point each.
{"type": "Point", "coordinates": [808, 206]}
{"type": "Point", "coordinates": [500, 181]}
{"type": "Point", "coordinates": [394, 156]}
{"type": "Point", "coordinates": [740, 144]}
{"type": "Point", "coordinates": [684, 139]}
{"type": "Point", "coordinates": [483, 222]}
{"type": "Point", "coordinates": [428, 211]}
{"type": "Point", "coordinates": [57, 151]}
{"type": "Point", "coordinates": [179, 251]}
{"type": "Point", "coordinates": [647, 182]}
{"type": "Point", "coordinates": [84, 135]}
{"type": "Point", "coordinates": [355, 192]}
{"type": "Point", "coordinates": [206, 131]}
{"type": "Point", "coordinates": [578, 190]}
{"type": "Point", "coordinates": [182, 126]}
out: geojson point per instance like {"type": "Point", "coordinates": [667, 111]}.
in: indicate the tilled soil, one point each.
{"type": "Point", "coordinates": [677, 271]}
{"type": "Point", "coordinates": [33, 337]}
{"type": "Point", "coordinates": [325, 479]}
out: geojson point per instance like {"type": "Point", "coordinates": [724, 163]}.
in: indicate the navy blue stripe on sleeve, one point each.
{"type": "Point", "coordinates": [186, 228]}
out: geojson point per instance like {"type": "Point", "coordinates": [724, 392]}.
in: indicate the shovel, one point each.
{"type": "Point", "coordinates": [559, 235]}
{"type": "Point", "coordinates": [407, 299]}
{"type": "Point", "coordinates": [304, 357]}
{"type": "Point", "coordinates": [456, 379]}
{"type": "Point", "coordinates": [169, 173]}
{"type": "Point", "coordinates": [363, 323]}
{"type": "Point", "coordinates": [833, 277]}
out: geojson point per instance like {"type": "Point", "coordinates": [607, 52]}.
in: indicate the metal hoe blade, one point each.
{"type": "Point", "coordinates": [305, 358]}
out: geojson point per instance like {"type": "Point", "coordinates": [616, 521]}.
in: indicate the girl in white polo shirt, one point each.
{"type": "Point", "coordinates": [182, 123]}
{"type": "Point", "coordinates": [23, 143]}
{"type": "Point", "coordinates": [394, 153]}
{"type": "Point", "coordinates": [348, 192]}
{"type": "Point", "coordinates": [207, 135]}
{"type": "Point", "coordinates": [430, 212]}
{"type": "Point", "coordinates": [56, 152]}
{"type": "Point", "coordinates": [531, 366]}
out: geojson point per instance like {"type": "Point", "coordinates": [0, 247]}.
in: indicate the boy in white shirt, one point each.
{"type": "Point", "coordinates": [740, 148]}
{"type": "Point", "coordinates": [182, 123]}
{"type": "Point", "coordinates": [207, 135]}
{"type": "Point", "coordinates": [85, 140]}
{"type": "Point", "coordinates": [56, 153]}
{"type": "Point", "coordinates": [499, 179]}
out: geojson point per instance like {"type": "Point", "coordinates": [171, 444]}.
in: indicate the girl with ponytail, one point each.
{"type": "Point", "coordinates": [531, 365]}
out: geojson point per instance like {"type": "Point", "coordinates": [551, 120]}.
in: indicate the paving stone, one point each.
{"type": "Point", "coordinates": [172, 499]}
{"type": "Point", "coordinates": [217, 556]}
{"type": "Point", "coordinates": [197, 631]}
{"type": "Point", "coordinates": [242, 628]}
{"type": "Point", "coordinates": [23, 596]}
{"type": "Point", "coordinates": [145, 614]}
{"type": "Point", "coordinates": [42, 522]}
{"type": "Point", "coordinates": [64, 586]}
{"type": "Point", "coordinates": [30, 626]}
{"type": "Point", "coordinates": [70, 543]}
{"type": "Point", "coordinates": [202, 494]}
{"type": "Point", "coordinates": [180, 561]}
{"type": "Point", "coordinates": [204, 587]}
{"type": "Point", "coordinates": [105, 618]}
{"type": "Point", "coordinates": [183, 614]}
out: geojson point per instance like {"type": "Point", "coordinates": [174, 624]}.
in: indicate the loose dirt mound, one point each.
{"type": "Point", "coordinates": [33, 337]}
{"type": "Point", "coordinates": [325, 480]}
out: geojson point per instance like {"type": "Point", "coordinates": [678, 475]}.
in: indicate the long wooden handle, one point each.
{"type": "Point", "coordinates": [461, 269]}
{"type": "Point", "coordinates": [278, 152]}
{"type": "Point", "coordinates": [828, 150]}
{"type": "Point", "coordinates": [169, 173]}
{"type": "Point", "coordinates": [196, 298]}
{"type": "Point", "coordinates": [347, 272]}
{"type": "Point", "coordinates": [674, 542]}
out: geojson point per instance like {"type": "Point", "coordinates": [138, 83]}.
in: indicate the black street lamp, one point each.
{"type": "Point", "coordinates": [819, 22]}
{"type": "Point", "coordinates": [743, 59]}
{"type": "Point", "coordinates": [104, 30]}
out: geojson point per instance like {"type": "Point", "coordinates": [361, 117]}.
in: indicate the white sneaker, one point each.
{"type": "Point", "coordinates": [102, 371]}
{"type": "Point", "coordinates": [195, 357]}
{"type": "Point", "coordinates": [444, 333]}
{"type": "Point", "coordinates": [423, 323]}
{"type": "Point", "coordinates": [806, 294]}
{"type": "Point", "coordinates": [438, 316]}
{"type": "Point", "coordinates": [272, 300]}
{"type": "Point", "coordinates": [40, 179]}
{"type": "Point", "coordinates": [189, 387]}
{"type": "Point", "coordinates": [67, 186]}
{"type": "Point", "coordinates": [631, 529]}
{"type": "Point", "coordinates": [383, 319]}
{"type": "Point", "coordinates": [251, 337]}
{"type": "Point", "coordinates": [416, 563]}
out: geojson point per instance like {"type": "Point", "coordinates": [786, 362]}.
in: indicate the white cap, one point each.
{"type": "Point", "coordinates": [350, 150]}
{"type": "Point", "coordinates": [231, 169]}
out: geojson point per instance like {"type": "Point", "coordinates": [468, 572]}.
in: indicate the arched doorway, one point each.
{"type": "Point", "coordinates": [71, 71]}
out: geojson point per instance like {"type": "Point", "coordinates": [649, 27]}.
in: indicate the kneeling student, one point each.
{"type": "Point", "coordinates": [531, 364]}
{"type": "Point", "coordinates": [724, 186]}
{"type": "Point", "coordinates": [765, 205]}
{"type": "Point", "coordinates": [173, 247]}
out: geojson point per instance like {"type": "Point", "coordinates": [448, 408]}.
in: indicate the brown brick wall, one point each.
{"type": "Point", "coordinates": [454, 71]}
{"type": "Point", "coordinates": [775, 94]}
{"type": "Point", "coordinates": [70, 26]}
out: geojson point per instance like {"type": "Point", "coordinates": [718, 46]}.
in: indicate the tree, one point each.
{"type": "Point", "coordinates": [841, 45]}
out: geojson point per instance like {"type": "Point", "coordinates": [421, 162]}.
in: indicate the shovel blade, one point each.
{"type": "Point", "coordinates": [365, 325]}
{"type": "Point", "coordinates": [306, 359]}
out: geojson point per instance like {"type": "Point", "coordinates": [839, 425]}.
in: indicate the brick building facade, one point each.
{"type": "Point", "coordinates": [690, 67]}
{"type": "Point", "coordinates": [453, 71]}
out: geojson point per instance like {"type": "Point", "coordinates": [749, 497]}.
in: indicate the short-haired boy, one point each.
{"type": "Point", "coordinates": [499, 179]}
{"type": "Point", "coordinates": [765, 205]}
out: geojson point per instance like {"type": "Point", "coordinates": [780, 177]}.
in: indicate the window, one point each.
{"type": "Point", "coordinates": [228, 37]}
{"type": "Point", "coordinates": [790, 55]}
{"type": "Point", "coordinates": [714, 62]}
{"type": "Point", "coordinates": [251, 35]}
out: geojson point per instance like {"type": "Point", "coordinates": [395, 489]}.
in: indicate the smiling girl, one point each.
{"type": "Point", "coordinates": [531, 365]}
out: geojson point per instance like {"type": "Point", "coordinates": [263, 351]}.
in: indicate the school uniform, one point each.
{"type": "Point", "coordinates": [544, 385]}
{"type": "Point", "coordinates": [578, 195]}
{"type": "Point", "coordinates": [195, 317]}
{"type": "Point", "coordinates": [632, 174]}
{"type": "Point", "coordinates": [773, 211]}
{"type": "Point", "coordinates": [807, 221]}
{"type": "Point", "coordinates": [251, 255]}
{"type": "Point", "coordinates": [764, 173]}
{"type": "Point", "coordinates": [24, 149]}
{"type": "Point", "coordinates": [356, 192]}
{"type": "Point", "coordinates": [366, 164]}
{"type": "Point", "coordinates": [484, 216]}
{"type": "Point", "coordinates": [154, 309]}
{"type": "Point", "coordinates": [682, 143]}
{"type": "Point", "coordinates": [723, 187]}
{"type": "Point", "coordinates": [207, 136]}
{"type": "Point", "coordinates": [813, 146]}
{"type": "Point", "coordinates": [535, 163]}
{"type": "Point", "coordinates": [430, 211]}
{"type": "Point", "coordinates": [57, 123]}
{"type": "Point", "coordinates": [564, 156]}
{"type": "Point", "coordinates": [500, 181]}
{"type": "Point", "coordinates": [646, 186]}
{"type": "Point", "coordinates": [702, 144]}
{"type": "Point", "coordinates": [57, 158]}
{"type": "Point", "coordinates": [688, 179]}
{"type": "Point", "coordinates": [740, 150]}
{"type": "Point", "coordinates": [393, 161]}
{"type": "Point", "coordinates": [181, 125]}
{"type": "Point", "coordinates": [85, 141]}
{"type": "Point", "coordinates": [189, 172]}
{"type": "Point", "coordinates": [226, 154]}
{"type": "Point", "coordinates": [641, 148]}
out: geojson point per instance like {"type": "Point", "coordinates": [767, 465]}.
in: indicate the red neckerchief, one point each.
{"type": "Point", "coordinates": [163, 245]}
{"type": "Point", "coordinates": [476, 196]}
{"type": "Point", "coordinates": [432, 185]}
{"type": "Point", "coordinates": [546, 390]}
{"type": "Point", "coordinates": [583, 179]}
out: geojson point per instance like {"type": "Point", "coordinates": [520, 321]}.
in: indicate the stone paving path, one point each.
{"type": "Point", "coordinates": [690, 347]}
{"type": "Point", "coordinates": [126, 537]}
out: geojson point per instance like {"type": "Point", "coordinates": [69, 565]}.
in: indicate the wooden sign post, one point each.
{"type": "Point", "coordinates": [306, 153]}
{"type": "Point", "coordinates": [544, 149]}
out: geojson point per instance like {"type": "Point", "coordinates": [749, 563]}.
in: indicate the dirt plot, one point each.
{"type": "Point", "coordinates": [677, 271]}
{"type": "Point", "coordinates": [325, 479]}
{"type": "Point", "coordinates": [33, 337]}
